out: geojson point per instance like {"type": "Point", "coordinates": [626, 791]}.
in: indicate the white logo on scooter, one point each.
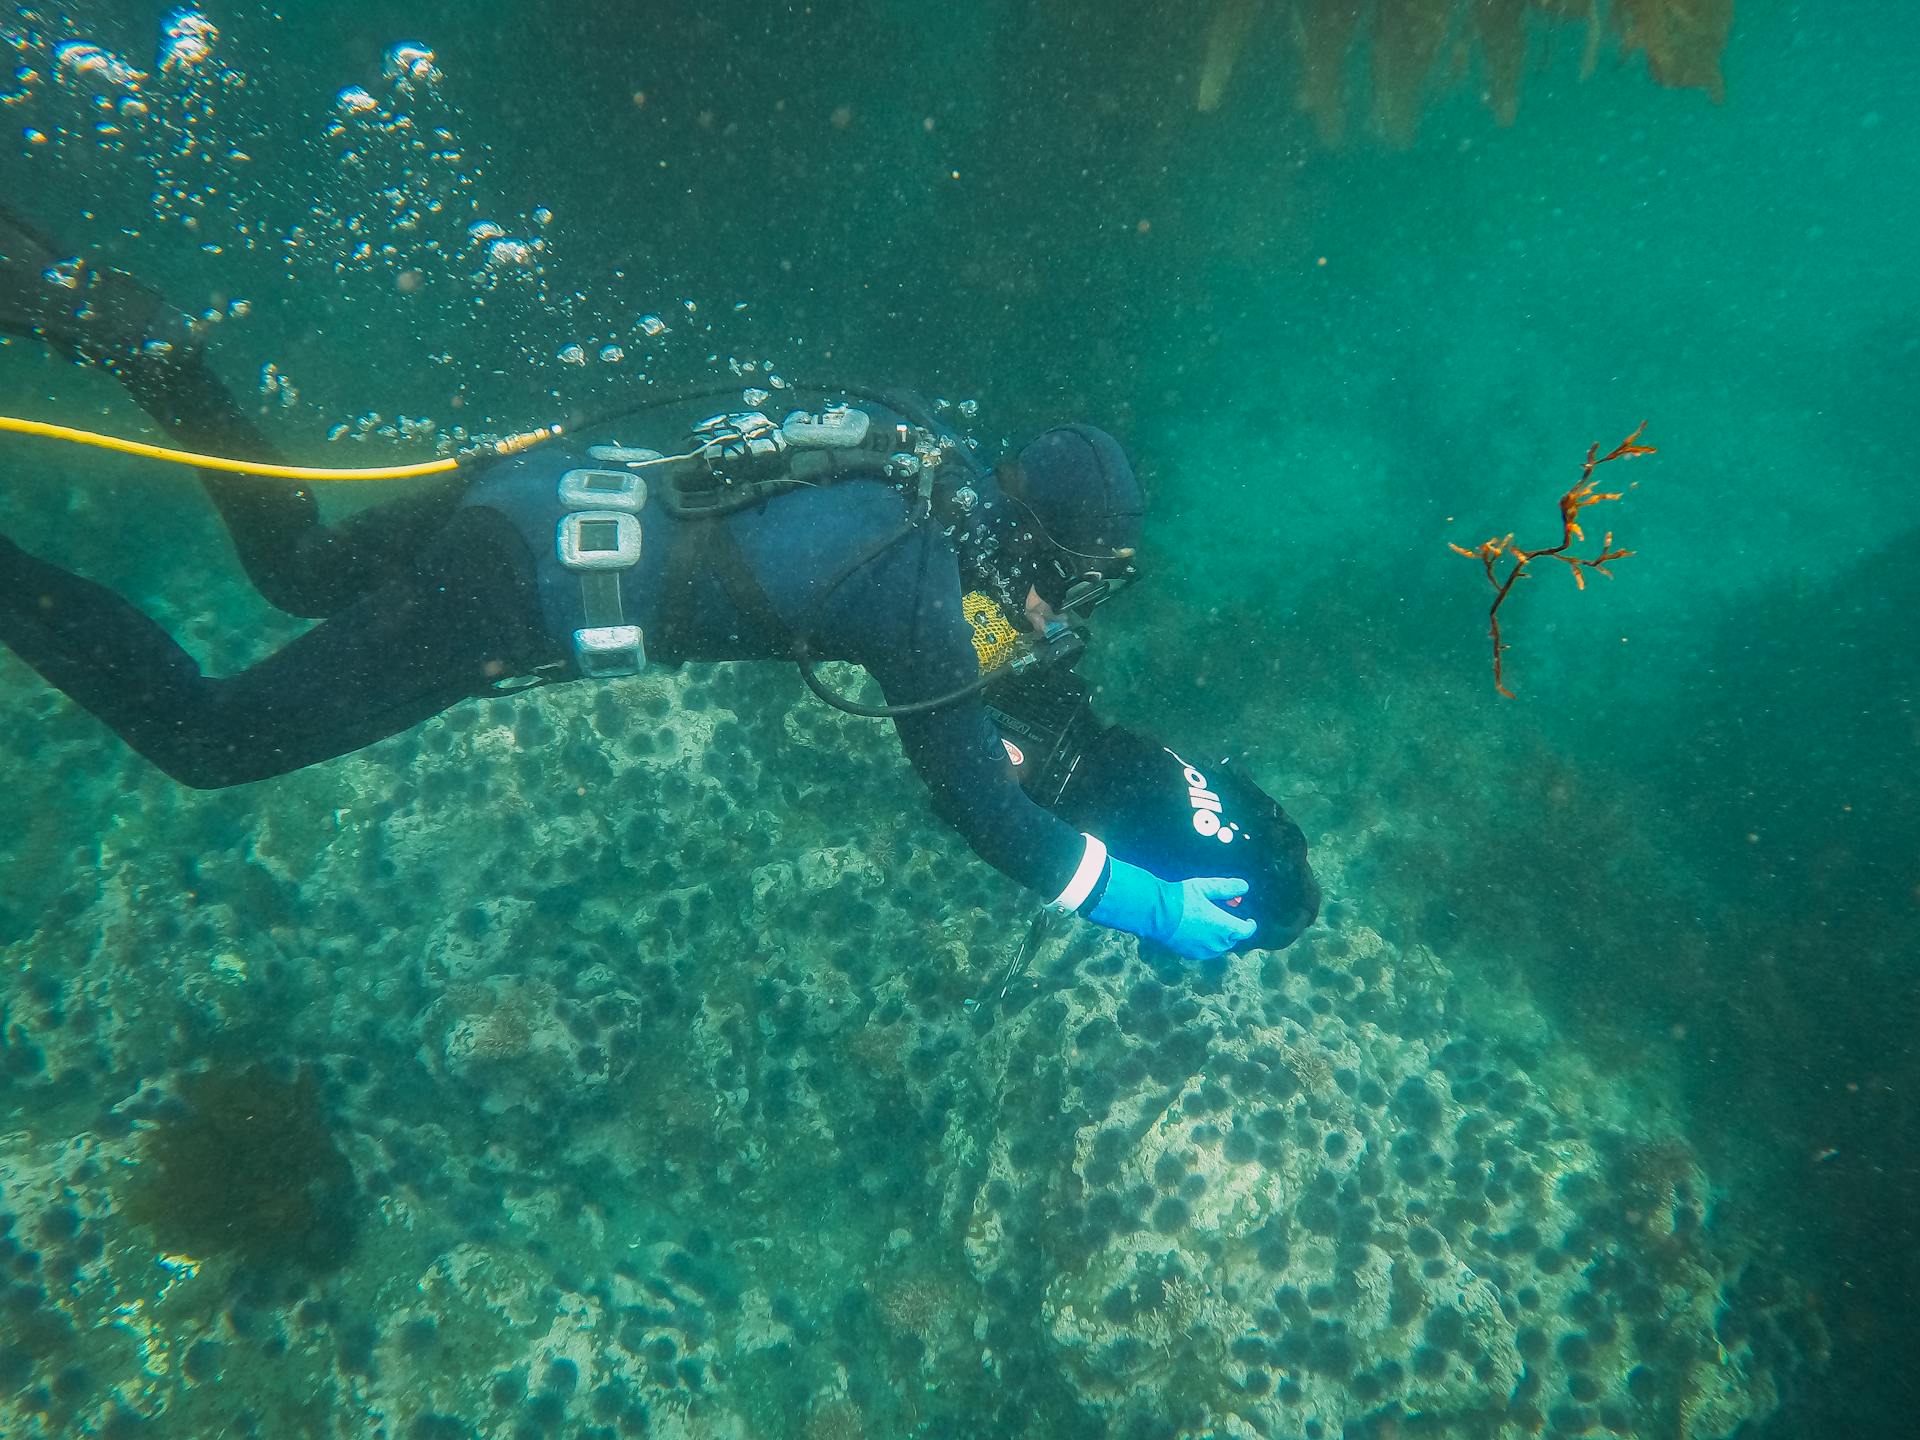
{"type": "Point", "coordinates": [1206, 806]}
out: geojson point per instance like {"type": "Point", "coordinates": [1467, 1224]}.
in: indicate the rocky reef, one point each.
{"type": "Point", "coordinates": [633, 1060]}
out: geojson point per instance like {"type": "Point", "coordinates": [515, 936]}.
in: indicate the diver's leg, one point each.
{"type": "Point", "coordinates": [465, 614]}
{"type": "Point", "coordinates": [106, 318]}
{"type": "Point", "coordinates": [299, 565]}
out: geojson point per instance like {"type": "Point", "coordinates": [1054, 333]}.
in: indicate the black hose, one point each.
{"type": "Point", "coordinates": [880, 712]}
{"type": "Point", "coordinates": [803, 657]}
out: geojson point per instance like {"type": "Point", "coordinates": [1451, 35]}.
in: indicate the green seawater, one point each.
{"type": "Point", "coordinates": [597, 1061]}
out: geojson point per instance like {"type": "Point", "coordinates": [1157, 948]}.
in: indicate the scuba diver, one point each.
{"type": "Point", "coordinates": [855, 527]}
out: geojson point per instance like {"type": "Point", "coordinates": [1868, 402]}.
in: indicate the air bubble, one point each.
{"type": "Point", "coordinates": [354, 100]}
{"type": "Point", "coordinates": [409, 63]}
{"type": "Point", "coordinates": [276, 386]}
{"type": "Point", "coordinates": [91, 64]}
{"type": "Point", "coordinates": [186, 39]}
{"type": "Point", "coordinates": [509, 255]}
{"type": "Point", "coordinates": [572, 355]}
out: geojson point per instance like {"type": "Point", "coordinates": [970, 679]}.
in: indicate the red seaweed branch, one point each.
{"type": "Point", "coordinates": [1571, 504]}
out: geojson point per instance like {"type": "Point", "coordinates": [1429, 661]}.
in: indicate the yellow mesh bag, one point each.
{"type": "Point", "coordinates": [995, 640]}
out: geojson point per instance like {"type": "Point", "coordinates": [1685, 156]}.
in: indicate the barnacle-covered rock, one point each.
{"type": "Point", "coordinates": [682, 1096]}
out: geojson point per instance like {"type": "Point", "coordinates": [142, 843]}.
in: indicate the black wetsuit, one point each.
{"type": "Point", "coordinates": [430, 600]}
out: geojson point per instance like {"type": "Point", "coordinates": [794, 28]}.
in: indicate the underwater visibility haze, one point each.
{"type": "Point", "coordinates": [529, 1006]}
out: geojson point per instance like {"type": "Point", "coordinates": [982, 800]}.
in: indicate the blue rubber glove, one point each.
{"type": "Point", "coordinates": [1181, 917]}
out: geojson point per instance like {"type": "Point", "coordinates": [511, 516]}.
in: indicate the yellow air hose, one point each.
{"type": "Point", "coordinates": [512, 445]}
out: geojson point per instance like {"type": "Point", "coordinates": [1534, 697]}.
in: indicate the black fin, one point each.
{"type": "Point", "coordinates": [95, 315]}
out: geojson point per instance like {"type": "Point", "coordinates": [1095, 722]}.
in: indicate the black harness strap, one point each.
{"type": "Point", "coordinates": [679, 587]}
{"type": "Point", "coordinates": [708, 548]}
{"type": "Point", "coordinates": [743, 587]}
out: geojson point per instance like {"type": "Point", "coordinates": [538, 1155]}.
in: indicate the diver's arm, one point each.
{"type": "Point", "coordinates": [958, 755]}
{"type": "Point", "coordinates": [957, 751]}
{"type": "Point", "coordinates": [924, 648]}
{"type": "Point", "coordinates": [900, 617]}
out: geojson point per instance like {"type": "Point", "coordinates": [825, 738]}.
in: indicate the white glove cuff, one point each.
{"type": "Point", "coordinates": [1093, 861]}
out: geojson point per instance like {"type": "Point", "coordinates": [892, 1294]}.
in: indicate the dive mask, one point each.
{"type": "Point", "coordinates": [1061, 581]}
